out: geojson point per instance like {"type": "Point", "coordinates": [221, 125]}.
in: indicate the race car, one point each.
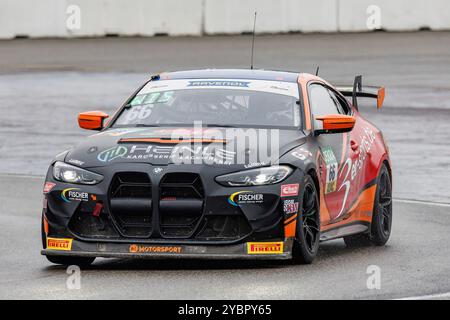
{"type": "Point", "coordinates": [221, 164]}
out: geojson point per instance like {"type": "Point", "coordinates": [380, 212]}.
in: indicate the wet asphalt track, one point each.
{"type": "Point", "coordinates": [44, 83]}
{"type": "Point", "coordinates": [415, 262]}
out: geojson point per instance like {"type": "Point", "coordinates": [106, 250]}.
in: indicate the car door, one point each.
{"type": "Point", "coordinates": [355, 176]}
{"type": "Point", "coordinates": [334, 161]}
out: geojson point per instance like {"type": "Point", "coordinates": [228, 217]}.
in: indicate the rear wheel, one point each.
{"type": "Point", "coordinates": [308, 224]}
{"type": "Point", "coordinates": [381, 225]}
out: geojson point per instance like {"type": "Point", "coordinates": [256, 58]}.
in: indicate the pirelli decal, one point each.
{"type": "Point", "coordinates": [59, 244]}
{"type": "Point", "coordinates": [264, 247]}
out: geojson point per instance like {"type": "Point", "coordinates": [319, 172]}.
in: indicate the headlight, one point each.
{"type": "Point", "coordinates": [255, 177]}
{"type": "Point", "coordinates": [66, 173]}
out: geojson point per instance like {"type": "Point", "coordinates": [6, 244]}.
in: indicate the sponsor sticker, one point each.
{"type": "Point", "coordinates": [290, 190]}
{"type": "Point", "coordinates": [264, 247]}
{"type": "Point", "coordinates": [112, 153]}
{"type": "Point", "coordinates": [332, 169]}
{"type": "Point", "coordinates": [135, 248]}
{"type": "Point", "coordinates": [48, 187]}
{"type": "Point", "coordinates": [290, 206]}
{"type": "Point", "coordinates": [59, 244]}
{"type": "Point", "coordinates": [302, 154]}
{"type": "Point", "coordinates": [279, 87]}
{"type": "Point", "coordinates": [218, 83]}
{"type": "Point", "coordinates": [92, 150]}
{"type": "Point", "coordinates": [176, 154]}
{"type": "Point", "coordinates": [254, 164]}
{"type": "Point", "coordinates": [76, 162]}
{"type": "Point", "coordinates": [353, 168]}
{"type": "Point", "coordinates": [74, 194]}
{"type": "Point", "coordinates": [245, 197]}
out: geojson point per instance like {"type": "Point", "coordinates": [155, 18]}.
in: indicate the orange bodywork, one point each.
{"type": "Point", "coordinates": [337, 121]}
{"type": "Point", "coordinates": [360, 211]}
{"type": "Point", "coordinates": [45, 223]}
{"type": "Point", "coordinates": [92, 120]}
{"type": "Point", "coordinates": [362, 207]}
{"type": "Point", "coordinates": [380, 97]}
{"type": "Point", "coordinates": [303, 80]}
{"type": "Point", "coordinates": [290, 226]}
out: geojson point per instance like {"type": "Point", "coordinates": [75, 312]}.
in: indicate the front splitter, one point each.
{"type": "Point", "coordinates": [265, 251]}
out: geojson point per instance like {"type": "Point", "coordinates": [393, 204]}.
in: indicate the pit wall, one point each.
{"type": "Point", "coordinates": [93, 18]}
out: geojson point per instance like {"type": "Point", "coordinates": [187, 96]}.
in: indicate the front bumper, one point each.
{"type": "Point", "coordinates": [156, 218]}
{"type": "Point", "coordinates": [281, 250]}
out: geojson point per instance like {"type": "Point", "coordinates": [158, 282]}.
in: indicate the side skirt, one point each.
{"type": "Point", "coordinates": [345, 230]}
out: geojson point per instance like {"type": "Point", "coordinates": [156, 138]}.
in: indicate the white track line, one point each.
{"type": "Point", "coordinates": [445, 295]}
{"type": "Point", "coordinates": [429, 203]}
{"type": "Point", "coordinates": [14, 175]}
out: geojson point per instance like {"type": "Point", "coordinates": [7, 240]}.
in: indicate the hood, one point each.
{"type": "Point", "coordinates": [168, 145]}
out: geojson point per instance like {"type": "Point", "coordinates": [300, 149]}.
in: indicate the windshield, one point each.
{"type": "Point", "coordinates": [239, 103]}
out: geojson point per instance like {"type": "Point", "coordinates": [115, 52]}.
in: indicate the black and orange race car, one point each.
{"type": "Point", "coordinates": [221, 164]}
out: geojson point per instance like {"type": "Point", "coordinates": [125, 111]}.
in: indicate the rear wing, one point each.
{"type": "Point", "coordinates": [365, 92]}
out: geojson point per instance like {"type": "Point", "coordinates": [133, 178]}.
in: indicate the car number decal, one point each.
{"type": "Point", "coordinates": [332, 169]}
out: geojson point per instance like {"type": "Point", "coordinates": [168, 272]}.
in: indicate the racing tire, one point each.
{"type": "Point", "coordinates": [380, 228]}
{"type": "Point", "coordinates": [306, 244]}
{"type": "Point", "coordinates": [69, 261]}
{"type": "Point", "coordinates": [43, 236]}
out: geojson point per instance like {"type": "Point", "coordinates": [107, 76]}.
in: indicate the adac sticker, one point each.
{"type": "Point", "coordinates": [74, 194]}
{"type": "Point", "coordinates": [59, 244]}
{"type": "Point", "coordinates": [290, 190]}
{"type": "Point", "coordinates": [332, 169]}
{"type": "Point", "coordinates": [245, 197]}
{"type": "Point", "coordinates": [290, 206]}
{"type": "Point", "coordinates": [264, 247]}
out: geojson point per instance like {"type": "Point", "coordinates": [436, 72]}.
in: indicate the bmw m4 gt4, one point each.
{"type": "Point", "coordinates": [226, 164]}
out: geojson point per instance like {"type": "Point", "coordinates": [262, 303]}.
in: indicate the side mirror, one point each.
{"type": "Point", "coordinates": [91, 120]}
{"type": "Point", "coordinates": [335, 123]}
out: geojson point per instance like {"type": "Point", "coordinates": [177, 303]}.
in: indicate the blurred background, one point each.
{"type": "Point", "coordinates": [61, 57]}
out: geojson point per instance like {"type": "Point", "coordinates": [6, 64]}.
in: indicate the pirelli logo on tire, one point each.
{"type": "Point", "coordinates": [264, 247]}
{"type": "Point", "coordinates": [59, 244]}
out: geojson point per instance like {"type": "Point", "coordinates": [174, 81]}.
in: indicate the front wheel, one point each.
{"type": "Point", "coordinates": [64, 260]}
{"type": "Point", "coordinates": [68, 261]}
{"type": "Point", "coordinates": [307, 239]}
{"type": "Point", "coordinates": [381, 225]}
